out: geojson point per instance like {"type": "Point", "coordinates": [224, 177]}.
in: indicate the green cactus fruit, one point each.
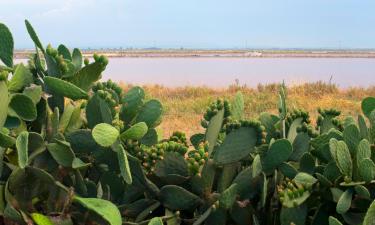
{"type": "Point", "coordinates": [179, 137]}
{"type": "Point", "coordinates": [197, 158]}
{"type": "Point", "coordinates": [86, 61]}
{"type": "Point", "coordinates": [96, 57]}
{"type": "Point", "coordinates": [293, 194]}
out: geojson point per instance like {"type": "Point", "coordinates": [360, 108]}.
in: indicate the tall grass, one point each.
{"type": "Point", "coordinates": [184, 106]}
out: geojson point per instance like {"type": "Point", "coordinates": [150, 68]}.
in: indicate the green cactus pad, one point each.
{"type": "Point", "coordinates": [257, 166]}
{"type": "Point", "coordinates": [368, 105]}
{"type": "Point", "coordinates": [135, 132]}
{"type": "Point", "coordinates": [305, 179]}
{"type": "Point", "coordinates": [177, 198]}
{"type": "Point", "coordinates": [22, 149]}
{"type": "Point", "coordinates": [370, 215]}
{"type": "Point", "coordinates": [333, 221]}
{"type": "Point", "coordinates": [4, 101]}
{"type": "Point", "coordinates": [340, 152]}
{"type": "Point", "coordinates": [278, 153]}
{"type": "Point", "coordinates": [228, 197]}
{"type": "Point", "coordinates": [238, 107]}
{"type": "Point", "coordinates": [344, 202]}
{"type": "Point", "coordinates": [295, 216]}
{"type": "Point", "coordinates": [21, 78]}
{"type": "Point", "coordinates": [362, 191]}
{"type": "Point", "coordinates": [105, 134]}
{"type": "Point", "coordinates": [105, 209]}
{"type": "Point", "coordinates": [156, 221]}
{"type": "Point", "coordinates": [62, 153]}
{"type": "Point", "coordinates": [363, 151]}
{"type": "Point", "coordinates": [123, 162]}
{"type": "Point", "coordinates": [65, 88]}
{"type": "Point", "coordinates": [292, 132]}
{"type": "Point", "coordinates": [237, 145]}
{"type": "Point", "coordinates": [213, 129]}
{"type": "Point", "coordinates": [34, 36]}
{"type": "Point", "coordinates": [363, 127]}
{"type": "Point", "coordinates": [301, 145]}
{"type": "Point", "coordinates": [367, 169]}
{"type": "Point", "coordinates": [173, 167]}
{"type": "Point", "coordinates": [150, 113]}
{"type": "Point", "coordinates": [131, 104]}
{"type": "Point", "coordinates": [87, 76]}
{"type": "Point", "coordinates": [6, 46]}
{"type": "Point", "coordinates": [97, 111]}
{"type": "Point", "coordinates": [23, 106]}
{"type": "Point", "coordinates": [6, 141]}
{"type": "Point", "coordinates": [41, 219]}
{"type": "Point", "coordinates": [352, 137]}
{"type": "Point", "coordinates": [64, 51]}
{"type": "Point", "coordinates": [307, 163]}
{"type": "Point", "coordinates": [34, 92]}
{"type": "Point", "coordinates": [288, 170]}
{"type": "Point", "coordinates": [150, 138]}
{"type": "Point", "coordinates": [77, 58]}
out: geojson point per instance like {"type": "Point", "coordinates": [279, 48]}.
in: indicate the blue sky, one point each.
{"type": "Point", "coordinates": [194, 23]}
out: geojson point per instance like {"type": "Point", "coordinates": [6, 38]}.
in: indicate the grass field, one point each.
{"type": "Point", "coordinates": [184, 106]}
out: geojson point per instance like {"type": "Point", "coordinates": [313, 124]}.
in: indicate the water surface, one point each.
{"type": "Point", "coordinates": [220, 72]}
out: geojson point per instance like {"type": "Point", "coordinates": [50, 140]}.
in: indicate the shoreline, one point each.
{"type": "Point", "coordinates": [19, 54]}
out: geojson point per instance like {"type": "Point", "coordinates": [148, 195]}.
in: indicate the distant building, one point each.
{"type": "Point", "coordinates": [253, 54]}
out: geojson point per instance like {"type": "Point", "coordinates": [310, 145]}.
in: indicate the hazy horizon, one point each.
{"type": "Point", "coordinates": [194, 24]}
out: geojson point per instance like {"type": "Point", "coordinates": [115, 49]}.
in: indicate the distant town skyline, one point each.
{"type": "Point", "coordinates": [194, 24]}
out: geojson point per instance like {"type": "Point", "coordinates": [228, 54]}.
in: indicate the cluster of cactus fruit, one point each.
{"type": "Point", "coordinates": [75, 150]}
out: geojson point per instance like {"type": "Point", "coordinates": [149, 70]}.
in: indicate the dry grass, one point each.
{"type": "Point", "coordinates": [184, 106]}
